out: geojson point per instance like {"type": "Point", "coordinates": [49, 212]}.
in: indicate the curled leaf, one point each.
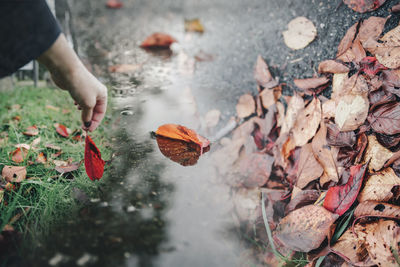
{"type": "Point", "coordinates": [94, 164]}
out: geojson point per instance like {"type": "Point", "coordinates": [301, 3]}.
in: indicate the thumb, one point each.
{"type": "Point", "coordinates": [87, 114]}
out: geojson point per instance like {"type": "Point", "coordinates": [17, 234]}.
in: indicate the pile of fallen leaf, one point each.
{"type": "Point", "coordinates": [328, 167]}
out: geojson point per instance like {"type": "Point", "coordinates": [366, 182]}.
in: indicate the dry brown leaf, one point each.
{"type": "Point", "coordinates": [371, 28]}
{"type": "Point", "coordinates": [332, 66]}
{"type": "Point", "coordinates": [193, 25]}
{"type": "Point", "coordinates": [355, 53]}
{"type": "Point", "coordinates": [245, 106]}
{"type": "Point", "coordinates": [307, 233]}
{"type": "Point", "coordinates": [372, 208]}
{"type": "Point", "coordinates": [325, 156]}
{"type": "Point", "coordinates": [301, 31]}
{"type": "Point", "coordinates": [295, 105]}
{"type": "Point", "coordinates": [211, 118]}
{"type": "Point", "coordinates": [378, 186]}
{"type": "Point", "coordinates": [309, 168]}
{"type": "Point", "coordinates": [19, 155]}
{"type": "Point", "coordinates": [301, 198]}
{"type": "Point", "coordinates": [310, 83]}
{"type": "Point", "coordinates": [338, 82]}
{"type": "Point", "coordinates": [347, 40]}
{"type": "Point", "coordinates": [351, 111]}
{"type": "Point", "coordinates": [328, 109]}
{"type": "Point", "coordinates": [41, 158]}
{"type": "Point", "coordinates": [377, 154]}
{"type": "Point", "coordinates": [382, 242]}
{"type": "Point", "coordinates": [35, 143]}
{"type": "Point", "coordinates": [352, 246]}
{"type": "Point", "coordinates": [14, 174]}
{"type": "Point", "coordinates": [261, 72]}
{"type": "Point", "coordinates": [31, 131]}
{"type": "Point", "coordinates": [307, 123]}
{"type": "Point", "coordinates": [269, 97]}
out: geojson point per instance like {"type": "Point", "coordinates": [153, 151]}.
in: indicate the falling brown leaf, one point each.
{"type": "Point", "coordinates": [19, 155]}
{"type": "Point", "coordinates": [362, 6]}
{"type": "Point", "coordinates": [324, 155]}
{"type": "Point", "coordinates": [193, 25]}
{"type": "Point", "coordinates": [307, 123]}
{"type": "Point", "coordinates": [41, 158]}
{"type": "Point", "coordinates": [309, 232]}
{"type": "Point", "coordinates": [383, 243]}
{"type": "Point", "coordinates": [376, 154]}
{"type": "Point", "coordinates": [378, 186]}
{"type": "Point", "coordinates": [301, 31]}
{"type": "Point", "coordinates": [14, 174]}
{"type": "Point", "coordinates": [309, 168]}
{"type": "Point", "coordinates": [332, 66]}
{"type": "Point", "coordinates": [245, 106]}
{"type": "Point", "coordinates": [31, 131]}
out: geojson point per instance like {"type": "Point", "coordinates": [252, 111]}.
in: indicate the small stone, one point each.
{"type": "Point", "coordinates": [56, 259]}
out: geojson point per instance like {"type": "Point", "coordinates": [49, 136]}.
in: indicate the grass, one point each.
{"type": "Point", "coordinates": [45, 197]}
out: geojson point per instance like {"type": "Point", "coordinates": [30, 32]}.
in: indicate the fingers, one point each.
{"type": "Point", "coordinates": [99, 112]}
{"type": "Point", "coordinates": [87, 114]}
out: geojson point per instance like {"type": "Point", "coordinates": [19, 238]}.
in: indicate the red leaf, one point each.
{"type": "Point", "coordinates": [62, 130]}
{"type": "Point", "coordinates": [179, 132]}
{"type": "Point", "coordinates": [158, 40]}
{"type": "Point", "coordinates": [371, 66]}
{"type": "Point", "coordinates": [94, 164]}
{"type": "Point", "coordinates": [363, 6]}
{"type": "Point", "coordinates": [114, 4]}
{"type": "Point", "coordinates": [339, 199]}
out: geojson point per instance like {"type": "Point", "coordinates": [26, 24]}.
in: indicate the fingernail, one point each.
{"type": "Point", "coordinates": [87, 124]}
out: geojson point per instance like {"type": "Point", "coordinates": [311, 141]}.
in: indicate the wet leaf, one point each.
{"type": "Point", "coordinates": [69, 168]}
{"type": "Point", "coordinates": [158, 40]}
{"type": "Point", "coordinates": [372, 208]}
{"type": "Point", "coordinates": [338, 138]}
{"type": "Point", "coordinates": [245, 106]}
{"type": "Point", "coordinates": [362, 6]}
{"type": "Point", "coordinates": [311, 83]}
{"type": "Point", "coordinates": [301, 31]}
{"type": "Point", "coordinates": [339, 199]}
{"type": "Point", "coordinates": [307, 233]}
{"type": "Point", "coordinates": [324, 155]}
{"type": "Point", "coordinates": [383, 242]}
{"type": "Point", "coordinates": [61, 129]}
{"type": "Point", "coordinates": [179, 132]}
{"type": "Point", "coordinates": [332, 66]}
{"type": "Point", "coordinates": [376, 154]}
{"type": "Point", "coordinates": [114, 4]}
{"type": "Point", "coordinates": [378, 186]}
{"type": "Point", "coordinates": [31, 131]}
{"type": "Point", "coordinates": [14, 174]}
{"type": "Point", "coordinates": [41, 158]}
{"type": "Point", "coordinates": [262, 75]}
{"type": "Point", "coordinates": [309, 168]}
{"type": "Point", "coordinates": [19, 155]}
{"type": "Point", "coordinates": [307, 123]}
{"type": "Point", "coordinates": [386, 118]}
{"type": "Point", "coordinates": [94, 164]}
{"type": "Point", "coordinates": [193, 25]}
{"type": "Point", "coordinates": [182, 152]}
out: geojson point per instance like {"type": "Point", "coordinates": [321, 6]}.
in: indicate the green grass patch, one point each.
{"type": "Point", "coordinates": [45, 197]}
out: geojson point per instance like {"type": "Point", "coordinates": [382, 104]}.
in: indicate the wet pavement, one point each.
{"type": "Point", "coordinates": [152, 211]}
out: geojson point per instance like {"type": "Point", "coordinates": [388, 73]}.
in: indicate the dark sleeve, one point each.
{"type": "Point", "coordinates": [27, 29]}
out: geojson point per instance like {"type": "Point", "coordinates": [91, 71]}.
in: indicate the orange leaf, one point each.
{"type": "Point", "coordinates": [61, 130]}
{"type": "Point", "coordinates": [179, 132]}
{"type": "Point", "coordinates": [158, 40]}
{"type": "Point", "coordinates": [94, 164]}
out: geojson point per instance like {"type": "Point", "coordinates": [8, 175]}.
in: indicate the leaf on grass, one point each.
{"type": "Point", "coordinates": [35, 142]}
{"type": "Point", "coordinates": [362, 6]}
{"type": "Point", "coordinates": [372, 208]}
{"type": "Point", "coordinates": [376, 154]}
{"type": "Point", "coordinates": [383, 242]}
{"type": "Point", "coordinates": [53, 147]}
{"type": "Point", "coordinates": [262, 75]}
{"type": "Point", "coordinates": [193, 25]}
{"type": "Point", "coordinates": [179, 132]}
{"type": "Point", "coordinates": [114, 4]}
{"type": "Point", "coordinates": [332, 66]}
{"type": "Point", "coordinates": [386, 118]}
{"type": "Point", "coordinates": [337, 138]}
{"type": "Point", "coordinates": [311, 83]}
{"type": "Point", "coordinates": [309, 168]}
{"type": "Point", "coordinates": [158, 40]}
{"type": "Point", "coordinates": [307, 233]}
{"type": "Point", "coordinates": [70, 167]}
{"type": "Point", "coordinates": [301, 31]}
{"type": "Point", "coordinates": [307, 123]}
{"type": "Point", "coordinates": [61, 130]}
{"type": "Point", "coordinates": [378, 186]}
{"type": "Point", "coordinates": [339, 199]}
{"type": "Point", "coordinates": [94, 164]}
{"type": "Point", "coordinates": [31, 131]}
{"type": "Point", "coordinates": [41, 158]}
{"type": "Point", "coordinates": [324, 155]}
{"type": "Point", "coordinates": [182, 152]}
{"type": "Point", "coordinates": [245, 106]}
{"type": "Point", "coordinates": [14, 174]}
{"type": "Point", "coordinates": [19, 155]}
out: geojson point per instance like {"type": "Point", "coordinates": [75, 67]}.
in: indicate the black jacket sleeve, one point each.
{"type": "Point", "coordinates": [27, 29]}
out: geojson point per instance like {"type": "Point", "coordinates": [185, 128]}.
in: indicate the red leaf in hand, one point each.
{"type": "Point", "coordinates": [158, 40]}
{"type": "Point", "coordinates": [114, 4]}
{"type": "Point", "coordinates": [61, 130]}
{"type": "Point", "coordinates": [339, 199]}
{"type": "Point", "coordinates": [94, 164]}
{"type": "Point", "coordinates": [179, 132]}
